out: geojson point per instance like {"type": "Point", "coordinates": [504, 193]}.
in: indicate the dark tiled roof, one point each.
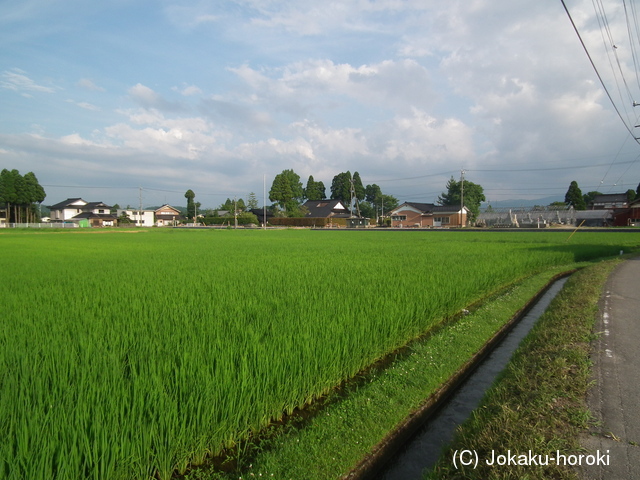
{"type": "Point", "coordinates": [610, 197]}
{"type": "Point", "coordinates": [325, 208]}
{"type": "Point", "coordinates": [91, 205]}
{"type": "Point", "coordinates": [65, 203]}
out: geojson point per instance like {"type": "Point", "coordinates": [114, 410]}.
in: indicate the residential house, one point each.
{"type": "Point", "coordinates": [140, 218]}
{"type": "Point", "coordinates": [326, 209]}
{"type": "Point", "coordinates": [96, 214]}
{"type": "Point", "coordinates": [166, 215]}
{"type": "Point", "coordinates": [609, 201]}
{"type": "Point", "coordinates": [428, 215]}
{"type": "Point", "coordinates": [629, 217]}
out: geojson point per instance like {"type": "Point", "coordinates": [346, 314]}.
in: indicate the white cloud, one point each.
{"type": "Point", "coordinates": [85, 105]}
{"type": "Point", "coordinates": [18, 81]}
{"type": "Point", "coordinates": [87, 84]}
{"type": "Point", "coordinates": [148, 98]}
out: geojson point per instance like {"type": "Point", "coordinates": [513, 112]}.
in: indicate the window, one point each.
{"type": "Point", "coordinates": [398, 218]}
{"type": "Point", "coordinates": [442, 220]}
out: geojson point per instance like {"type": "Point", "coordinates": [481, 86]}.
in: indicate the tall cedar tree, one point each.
{"type": "Point", "coordinates": [341, 188]}
{"type": "Point", "coordinates": [286, 190]}
{"type": "Point", "coordinates": [314, 190]}
{"type": "Point", "coordinates": [18, 195]}
{"type": "Point", "coordinates": [574, 197]}
{"type": "Point", "coordinates": [191, 206]}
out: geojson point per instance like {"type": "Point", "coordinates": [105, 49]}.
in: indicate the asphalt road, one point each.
{"type": "Point", "coordinates": [614, 398]}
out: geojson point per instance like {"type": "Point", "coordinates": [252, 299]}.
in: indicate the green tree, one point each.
{"type": "Point", "coordinates": [638, 191]}
{"type": "Point", "coordinates": [252, 202]}
{"type": "Point", "coordinates": [473, 196]}
{"type": "Point", "coordinates": [574, 197]}
{"type": "Point", "coordinates": [286, 190]}
{"type": "Point", "coordinates": [341, 188]}
{"type": "Point", "coordinates": [631, 195]}
{"type": "Point", "coordinates": [35, 194]}
{"type": "Point", "coordinates": [588, 197]}
{"type": "Point", "coordinates": [191, 206]}
{"type": "Point", "coordinates": [314, 190]}
{"type": "Point", "coordinates": [358, 187]}
{"type": "Point", "coordinates": [372, 193]}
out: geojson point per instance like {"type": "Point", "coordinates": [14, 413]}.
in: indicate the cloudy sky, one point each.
{"type": "Point", "coordinates": [101, 98]}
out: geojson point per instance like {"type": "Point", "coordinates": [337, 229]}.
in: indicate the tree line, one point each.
{"type": "Point", "coordinates": [289, 194]}
{"type": "Point", "coordinates": [19, 195]}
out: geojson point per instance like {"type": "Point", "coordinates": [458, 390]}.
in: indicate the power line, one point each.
{"type": "Point", "coordinates": [628, 127]}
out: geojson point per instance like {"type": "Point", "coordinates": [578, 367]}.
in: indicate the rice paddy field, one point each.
{"type": "Point", "coordinates": [132, 355]}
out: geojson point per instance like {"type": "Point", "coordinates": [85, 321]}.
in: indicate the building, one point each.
{"type": "Point", "coordinates": [140, 218]}
{"type": "Point", "coordinates": [167, 216]}
{"type": "Point", "coordinates": [326, 209]}
{"type": "Point", "coordinates": [95, 214]}
{"type": "Point", "coordinates": [428, 215]}
{"type": "Point", "coordinates": [609, 201]}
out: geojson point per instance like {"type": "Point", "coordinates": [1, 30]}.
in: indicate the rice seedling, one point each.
{"type": "Point", "coordinates": [134, 355]}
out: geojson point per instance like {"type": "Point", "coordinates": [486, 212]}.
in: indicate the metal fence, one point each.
{"type": "Point", "coordinates": [39, 225]}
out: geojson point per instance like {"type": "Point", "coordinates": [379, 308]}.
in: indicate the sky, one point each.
{"type": "Point", "coordinates": [137, 101]}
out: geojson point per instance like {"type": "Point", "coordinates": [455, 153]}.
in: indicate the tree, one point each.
{"type": "Point", "coordinates": [376, 203]}
{"type": "Point", "coordinates": [588, 197]}
{"type": "Point", "coordinates": [35, 193]}
{"type": "Point", "coordinates": [631, 195]}
{"type": "Point", "coordinates": [358, 187]}
{"type": "Point", "coordinates": [20, 193]}
{"type": "Point", "coordinates": [574, 197]}
{"type": "Point", "coordinates": [314, 190]}
{"type": "Point", "coordinates": [252, 202]}
{"type": "Point", "coordinates": [638, 191]}
{"type": "Point", "coordinates": [191, 206]}
{"type": "Point", "coordinates": [341, 188]}
{"type": "Point", "coordinates": [473, 196]}
{"type": "Point", "coordinates": [286, 190]}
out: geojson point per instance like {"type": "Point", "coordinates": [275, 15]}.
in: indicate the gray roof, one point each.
{"type": "Point", "coordinates": [325, 208]}
{"type": "Point", "coordinates": [65, 203]}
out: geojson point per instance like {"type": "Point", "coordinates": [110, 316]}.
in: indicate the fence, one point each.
{"type": "Point", "coordinates": [39, 225]}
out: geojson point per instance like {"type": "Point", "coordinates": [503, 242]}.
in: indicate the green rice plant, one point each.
{"type": "Point", "coordinates": [132, 355]}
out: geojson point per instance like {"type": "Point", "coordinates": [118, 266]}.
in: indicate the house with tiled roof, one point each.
{"type": "Point", "coordinates": [95, 214]}
{"type": "Point", "coordinates": [168, 216]}
{"type": "Point", "coordinates": [428, 215]}
{"type": "Point", "coordinates": [326, 209]}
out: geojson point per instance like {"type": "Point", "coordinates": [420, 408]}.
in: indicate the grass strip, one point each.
{"type": "Point", "coordinates": [353, 421]}
{"type": "Point", "coordinates": [537, 404]}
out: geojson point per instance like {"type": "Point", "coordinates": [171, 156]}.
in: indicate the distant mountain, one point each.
{"type": "Point", "coordinates": [519, 203]}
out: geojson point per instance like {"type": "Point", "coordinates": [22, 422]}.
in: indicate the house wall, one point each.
{"type": "Point", "coordinates": [66, 213]}
{"type": "Point", "coordinates": [412, 218]}
{"type": "Point", "coordinates": [147, 217]}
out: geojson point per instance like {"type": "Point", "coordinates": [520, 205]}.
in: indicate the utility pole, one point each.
{"type": "Point", "coordinates": [264, 200]}
{"type": "Point", "coordinates": [235, 213]}
{"type": "Point", "coordinates": [140, 206]}
{"type": "Point", "coordinates": [461, 196]}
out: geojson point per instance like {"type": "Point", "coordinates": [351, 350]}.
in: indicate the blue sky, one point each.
{"type": "Point", "coordinates": [214, 96]}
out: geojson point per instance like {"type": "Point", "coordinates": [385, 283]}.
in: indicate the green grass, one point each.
{"type": "Point", "coordinates": [538, 403]}
{"type": "Point", "coordinates": [133, 355]}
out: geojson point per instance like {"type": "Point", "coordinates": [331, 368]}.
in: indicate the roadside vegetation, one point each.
{"type": "Point", "coordinates": [538, 403]}
{"type": "Point", "coordinates": [136, 356]}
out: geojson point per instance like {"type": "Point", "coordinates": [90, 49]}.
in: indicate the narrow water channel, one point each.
{"type": "Point", "coordinates": [425, 447]}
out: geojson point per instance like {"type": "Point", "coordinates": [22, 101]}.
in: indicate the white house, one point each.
{"type": "Point", "coordinates": [67, 209]}
{"type": "Point", "coordinates": [96, 214]}
{"type": "Point", "coordinates": [141, 218]}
